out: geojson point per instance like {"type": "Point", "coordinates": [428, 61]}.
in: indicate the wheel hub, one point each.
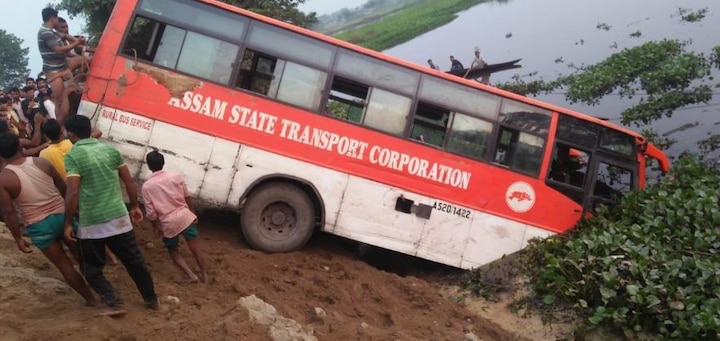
{"type": "Point", "coordinates": [278, 217]}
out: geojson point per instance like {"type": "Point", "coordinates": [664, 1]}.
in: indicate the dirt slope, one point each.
{"type": "Point", "coordinates": [356, 300]}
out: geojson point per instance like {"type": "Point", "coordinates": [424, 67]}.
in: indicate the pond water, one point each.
{"type": "Point", "coordinates": [550, 34]}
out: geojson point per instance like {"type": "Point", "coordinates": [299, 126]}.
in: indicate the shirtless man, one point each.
{"type": "Point", "coordinates": [35, 188]}
{"type": "Point", "coordinates": [64, 30]}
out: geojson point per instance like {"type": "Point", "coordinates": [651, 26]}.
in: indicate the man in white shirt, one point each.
{"type": "Point", "coordinates": [478, 63]}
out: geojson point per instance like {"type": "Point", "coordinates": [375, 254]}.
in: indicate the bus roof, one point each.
{"type": "Point", "coordinates": [419, 68]}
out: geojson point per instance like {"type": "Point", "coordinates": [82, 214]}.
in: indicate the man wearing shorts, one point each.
{"type": "Point", "coordinates": [169, 209]}
{"type": "Point", "coordinates": [33, 185]}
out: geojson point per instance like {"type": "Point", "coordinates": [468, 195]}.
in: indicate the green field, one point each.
{"type": "Point", "coordinates": [413, 20]}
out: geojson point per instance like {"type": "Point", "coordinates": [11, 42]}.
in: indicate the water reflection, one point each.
{"type": "Point", "coordinates": [550, 34]}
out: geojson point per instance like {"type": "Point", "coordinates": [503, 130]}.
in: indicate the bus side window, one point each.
{"type": "Point", "coordinates": [387, 111]}
{"type": "Point", "coordinates": [284, 80]}
{"type": "Point", "coordinates": [372, 107]}
{"type": "Point", "coordinates": [612, 182]}
{"type": "Point", "coordinates": [214, 63]}
{"type": "Point", "coordinates": [176, 48]}
{"type": "Point", "coordinates": [258, 73]}
{"type": "Point", "coordinates": [430, 124]}
{"type": "Point", "coordinates": [519, 150]}
{"type": "Point", "coordinates": [469, 136]}
{"type": "Point", "coordinates": [569, 165]}
{"type": "Point", "coordinates": [347, 100]}
{"type": "Point", "coordinates": [154, 42]}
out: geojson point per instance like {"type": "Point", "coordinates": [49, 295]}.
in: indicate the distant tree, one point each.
{"type": "Point", "coordinates": [13, 61]}
{"type": "Point", "coordinates": [661, 76]}
{"type": "Point", "coordinates": [285, 10]}
{"type": "Point", "coordinates": [97, 12]}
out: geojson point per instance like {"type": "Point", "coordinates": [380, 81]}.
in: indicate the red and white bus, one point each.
{"type": "Point", "coordinates": [302, 132]}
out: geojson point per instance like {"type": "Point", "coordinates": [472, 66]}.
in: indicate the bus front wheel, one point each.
{"type": "Point", "coordinates": [277, 217]}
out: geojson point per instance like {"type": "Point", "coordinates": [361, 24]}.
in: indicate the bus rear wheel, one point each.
{"type": "Point", "coordinates": [277, 217]}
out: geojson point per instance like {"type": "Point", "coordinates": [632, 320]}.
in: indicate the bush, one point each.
{"type": "Point", "coordinates": [650, 264]}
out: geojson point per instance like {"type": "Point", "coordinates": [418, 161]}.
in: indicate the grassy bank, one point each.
{"type": "Point", "coordinates": [415, 19]}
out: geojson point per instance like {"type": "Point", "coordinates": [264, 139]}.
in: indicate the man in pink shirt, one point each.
{"type": "Point", "coordinates": [169, 209]}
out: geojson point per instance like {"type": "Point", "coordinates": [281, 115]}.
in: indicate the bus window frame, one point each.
{"type": "Point", "coordinates": [413, 95]}
{"type": "Point", "coordinates": [259, 25]}
{"type": "Point", "coordinates": [609, 159]}
{"type": "Point", "coordinates": [485, 157]}
{"type": "Point", "coordinates": [597, 155]}
{"type": "Point", "coordinates": [561, 186]}
{"type": "Point", "coordinates": [411, 123]}
{"type": "Point", "coordinates": [123, 53]}
{"type": "Point", "coordinates": [632, 157]}
{"type": "Point", "coordinates": [492, 116]}
{"type": "Point", "coordinates": [319, 109]}
{"type": "Point", "coordinates": [326, 112]}
{"type": "Point", "coordinates": [499, 126]}
{"type": "Point", "coordinates": [493, 119]}
{"type": "Point", "coordinates": [201, 30]}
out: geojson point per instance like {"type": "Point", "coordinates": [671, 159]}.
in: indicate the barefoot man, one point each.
{"type": "Point", "coordinates": [35, 187]}
{"type": "Point", "coordinates": [170, 210]}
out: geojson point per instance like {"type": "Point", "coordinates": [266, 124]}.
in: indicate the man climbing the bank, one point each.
{"type": "Point", "coordinates": [35, 188]}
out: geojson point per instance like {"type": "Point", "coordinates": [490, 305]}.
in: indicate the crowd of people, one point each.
{"type": "Point", "coordinates": [65, 59]}
{"type": "Point", "coordinates": [60, 187]}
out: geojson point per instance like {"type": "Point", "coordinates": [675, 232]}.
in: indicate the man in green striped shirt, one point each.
{"type": "Point", "coordinates": [94, 171]}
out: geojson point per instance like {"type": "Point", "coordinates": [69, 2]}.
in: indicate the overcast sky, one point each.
{"type": "Point", "coordinates": [23, 19]}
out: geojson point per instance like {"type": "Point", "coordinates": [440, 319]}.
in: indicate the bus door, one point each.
{"type": "Point", "coordinates": [610, 178]}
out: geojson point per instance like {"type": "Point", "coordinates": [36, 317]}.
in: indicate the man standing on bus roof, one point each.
{"type": "Point", "coordinates": [94, 171]}
{"type": "Point", "coordinates": [479, 63]}
{"type": "Point", "coordinates": [57, 67]}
